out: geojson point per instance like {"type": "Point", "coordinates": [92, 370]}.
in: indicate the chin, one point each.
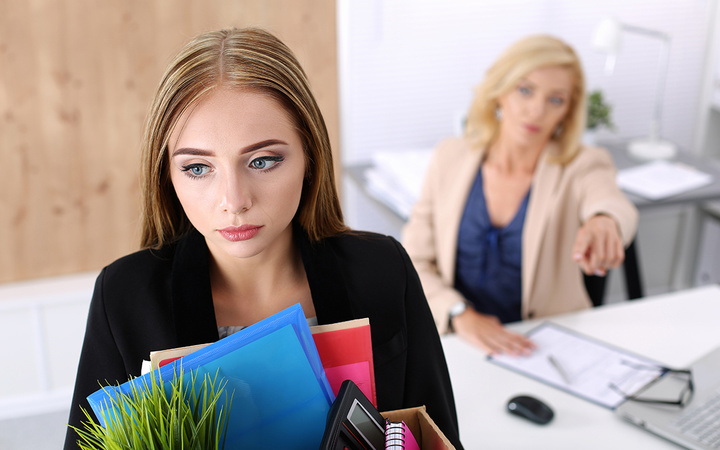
{"type": "Point", "coordinates": [238, 250]}
{"type": "Point", "coordinates": [245, 252]}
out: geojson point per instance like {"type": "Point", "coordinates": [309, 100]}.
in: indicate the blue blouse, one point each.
{"type": "Point", "coordinates": [488, 264]}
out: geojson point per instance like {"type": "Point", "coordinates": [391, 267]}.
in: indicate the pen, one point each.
{"type": "Point", "coordinates": [554, 362]}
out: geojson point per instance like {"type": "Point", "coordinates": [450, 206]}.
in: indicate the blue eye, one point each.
{"type": "Point", "coordinates": [196, 170]}
{"type": "Point", "coordinates": [265, 162]}
{"type": "Point", "coordinates": [525, 91]}
{"type": "Point", "coordinates": [557, 101]}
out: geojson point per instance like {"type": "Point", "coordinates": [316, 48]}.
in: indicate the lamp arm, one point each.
{"type": "Point", "coordinates": [662, 76]}
{"type": "Point", "coordinates": [646, 31]}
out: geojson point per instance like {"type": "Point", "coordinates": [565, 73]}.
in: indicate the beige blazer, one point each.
{"type": "Point", "coordinates": [562, 198]}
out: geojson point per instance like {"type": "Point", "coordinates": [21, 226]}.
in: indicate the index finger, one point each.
{"type": "Point", "coordinates": [581, 246]}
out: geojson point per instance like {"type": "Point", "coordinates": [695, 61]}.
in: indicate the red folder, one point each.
{"type": "Point", "coordinates": [345, 350]}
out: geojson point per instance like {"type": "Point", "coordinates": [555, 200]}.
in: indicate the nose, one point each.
{"type": "Point", "coordinates": [236, 196]}
{"type": "Point", "coordinates": [537, 107]}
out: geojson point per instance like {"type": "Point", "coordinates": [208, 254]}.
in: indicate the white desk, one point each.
{"type": "Point", "coordinates": [674, 329]}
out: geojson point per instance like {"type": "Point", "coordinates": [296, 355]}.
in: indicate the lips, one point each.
{"type": "Point", "coordinates": [241, 233]}
{"type": "Point", "coordinates": [532, 128]}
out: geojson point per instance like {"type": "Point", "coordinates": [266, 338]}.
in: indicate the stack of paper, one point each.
{"type": "Point", "coordinates": [396, 177]}
{"type": "Point", "coordinates": [661, 179]}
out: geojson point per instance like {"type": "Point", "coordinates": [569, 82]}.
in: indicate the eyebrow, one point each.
{"type": "Point", "coordinates": [250, 148]}
{"type": "Point", "coordinates": [533, 86]}
{"type": "Point", "coordinates": [563, 92]}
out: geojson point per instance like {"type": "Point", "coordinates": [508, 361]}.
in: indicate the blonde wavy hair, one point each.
{"type": "Point", "coordinates": [521, 58]}
{"type": "Point", "coordinates": [235, 58]}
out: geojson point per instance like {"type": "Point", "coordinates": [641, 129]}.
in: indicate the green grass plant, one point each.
{"type": "Point", "coordinates": [156, 416]}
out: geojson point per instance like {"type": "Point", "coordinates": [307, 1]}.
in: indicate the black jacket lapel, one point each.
{"type": "Point", "coordinates": [191, 294]}
{"type": "Point", "coordinates": [327, 284]}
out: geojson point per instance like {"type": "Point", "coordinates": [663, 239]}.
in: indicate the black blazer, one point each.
{"type": "Point", "coordinates": [158, 299]}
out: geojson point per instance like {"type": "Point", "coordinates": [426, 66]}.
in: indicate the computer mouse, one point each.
{"type": "Point", "coordinates": [531, 409]}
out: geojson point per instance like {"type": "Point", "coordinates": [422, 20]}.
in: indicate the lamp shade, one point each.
{"type": "Point", "coordinates": [608, 36]}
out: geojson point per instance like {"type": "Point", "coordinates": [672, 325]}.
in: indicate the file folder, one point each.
{"type": "Point", "coordinates": [280, 394]}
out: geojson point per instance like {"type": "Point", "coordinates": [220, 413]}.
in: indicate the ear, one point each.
{"type": "Point", "coordinates": [499, 102]}
{"type": "Point", "coordinates": [502, 100]}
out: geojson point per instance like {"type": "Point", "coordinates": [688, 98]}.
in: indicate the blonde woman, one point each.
{"type": "Point", "coordinates": [511, 214]}
{"type": "Point", "coordinates": [241, 220]}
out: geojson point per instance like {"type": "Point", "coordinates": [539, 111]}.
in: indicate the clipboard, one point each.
{"type": "Point", "coordinates": [581, 365]}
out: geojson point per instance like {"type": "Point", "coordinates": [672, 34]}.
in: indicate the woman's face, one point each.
{"type": "Point", "coordinates": [237, 165]}
{"type": "Point", "coordinates": [538, 103]}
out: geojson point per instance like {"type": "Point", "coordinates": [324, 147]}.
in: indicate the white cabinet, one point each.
{"type": "Point", "coordinates": [708, 262]}
{"type": "Point", "coordinates": [707, 143]}
{"type": "Point", "coordinates": [707, 138]}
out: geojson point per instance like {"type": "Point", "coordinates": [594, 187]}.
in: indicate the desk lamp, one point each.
{"type": "Point", "coordinates": [608, 39]}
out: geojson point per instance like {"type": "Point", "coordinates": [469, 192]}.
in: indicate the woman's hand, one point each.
{"type": "Point", "coordinates": [489, 334]}
{"type": "Point", "coordinates": [598, 246]}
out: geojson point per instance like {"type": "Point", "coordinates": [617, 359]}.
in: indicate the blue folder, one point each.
{"type": "Point", "coordinates": [280, 394]}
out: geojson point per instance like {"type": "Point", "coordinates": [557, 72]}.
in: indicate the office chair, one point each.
{"type": "Point", "coordinates": [633, 281]}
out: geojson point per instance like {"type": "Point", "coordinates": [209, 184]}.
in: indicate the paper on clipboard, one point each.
{"type": "Point", "coordinates": [581, 365]}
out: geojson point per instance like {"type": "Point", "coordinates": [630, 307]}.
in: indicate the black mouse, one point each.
{"type": "Point", "coordinates": [531, 409]}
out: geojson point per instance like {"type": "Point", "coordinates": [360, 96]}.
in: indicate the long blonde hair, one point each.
{"type": "Point", "coordinates": [521, 58]}
{"type": "Point", "coordinates": [236, 58]}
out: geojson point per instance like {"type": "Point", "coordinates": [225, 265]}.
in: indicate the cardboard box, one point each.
{"type": "Point", "coordinates": [422, 426]}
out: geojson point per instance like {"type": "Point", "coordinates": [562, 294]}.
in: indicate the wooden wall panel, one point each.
{"type": "Point", "coordinates": [76, 79]}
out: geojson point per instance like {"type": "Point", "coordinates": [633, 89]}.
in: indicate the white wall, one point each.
{"type": "Point", "coordinates": [408, 67]}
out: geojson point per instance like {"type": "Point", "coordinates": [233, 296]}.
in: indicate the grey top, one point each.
{"type": "Point", "coordinates": [231, 329]}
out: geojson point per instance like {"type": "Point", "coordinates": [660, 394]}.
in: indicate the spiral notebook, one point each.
{"type": "Point", "coordinates": [399, 437]}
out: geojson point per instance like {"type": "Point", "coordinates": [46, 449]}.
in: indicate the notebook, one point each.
{"type": "Point", "coordinates": [399, 437]}
{"type": "Point", "coordinates": [695, 426]}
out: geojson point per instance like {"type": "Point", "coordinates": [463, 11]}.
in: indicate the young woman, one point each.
{"type": "Point", "coordinates": [510, 213]}
{"type": "Point", "coordinates": [241, 219]}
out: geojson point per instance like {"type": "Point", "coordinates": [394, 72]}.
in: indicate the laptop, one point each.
{"type": "Point", "coordinates": [694, 426]}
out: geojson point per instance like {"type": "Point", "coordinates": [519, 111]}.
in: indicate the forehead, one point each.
{"type": "Point", "coordinates": [553, 78]}
{"type": "Point", "coordinates": [231, 114]}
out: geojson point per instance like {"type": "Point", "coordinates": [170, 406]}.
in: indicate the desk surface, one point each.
{"type": "Point", "coordinates": [674, 329]}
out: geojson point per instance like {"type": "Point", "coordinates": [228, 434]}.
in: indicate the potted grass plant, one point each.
{"type": "Point", "coordinates": [157, 415]}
